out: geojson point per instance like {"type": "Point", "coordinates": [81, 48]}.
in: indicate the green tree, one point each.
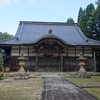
{"type": "Point", "coordinates": [1, 36]}
{"type": "Point", "coordinates": [94, 23]}
{"type": "Point", "coordinates": [83, 18]}
{"type": "Point", "coordinates": [90, 8]}
{"type": "Point", "coordinates": [5, 35]}
{"type": "Point", "coordinates": [96, 16]}
{"type": "Point", "coordinates": [89, 22]}
{"type": "Point", "coordinates": [1, 61]}
{"type": "Point", "coordinates": [97, 2]}
{"type": "Point", "coordinates": [94, 26]}
{"type": "Point", "coordinates": [70, 20]}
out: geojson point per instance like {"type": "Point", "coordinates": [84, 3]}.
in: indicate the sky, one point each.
{"type": "Point", "coordinates": [13, 11]}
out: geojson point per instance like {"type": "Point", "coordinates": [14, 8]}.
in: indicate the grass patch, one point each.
{"type": "Point", "coordinates": [93, 80]}
{"type": "Point", "coordinates": [94, 91]}
{"type": "Point", "coordinates": [21, 90]}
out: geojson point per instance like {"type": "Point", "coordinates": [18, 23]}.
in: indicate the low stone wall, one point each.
{"type": "Point", "coordinates": [89, 86]}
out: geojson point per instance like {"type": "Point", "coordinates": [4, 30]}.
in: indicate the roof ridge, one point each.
{"type": "Point", "coordinates": [81, 33]}
{"type": "Point", "coordinates": [9, 39]}
{"type": "Point", "coordinates": [20, 33]}
{"type": "Point", "coordinates": [93, 40]}
{"type": "Point", "coordinates": [54, 23]}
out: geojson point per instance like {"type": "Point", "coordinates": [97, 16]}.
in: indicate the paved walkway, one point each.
{"type": "Point", "coordinates": [56, 88]}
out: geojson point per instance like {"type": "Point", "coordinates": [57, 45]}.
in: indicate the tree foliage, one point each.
{"type": "Point", "coordinates": [96, 16]}
{"type": "Point", "coordinates": [70, 20]}
{"type": "Point", "coordinates": [81, 19]}
{"type": "Point", "coordinates": [1, 61]}
{"type": "Point", "coordinates": [94, 22]}
{"type": "Point", "coordinates": [97, 2]}
{"type": "Point", "coordinates": [5, 35]}
{"type": "Point", "coordinates": [84, 17]}
{"type": "Point", "coordinates": [89, 22]}
{"type": "Point", "coordinates": [1, 36]}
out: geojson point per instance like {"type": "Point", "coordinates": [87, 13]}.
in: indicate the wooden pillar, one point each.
{"type": "Point", "coordinates": [92, 52]}
{"type": "Point", "coordinates": [75, 51]}
{"type": "Point", "coordinates": [83, 50]}
{"type": "Point", "coordinates": [67, 51]}
{"type": "Point", "coordinates": [95, 62]}
{"type": "Point", "coordinates": [61, 63]}
{"type": "Point", "coordinates": [36, 62]}
{"type": "Point", "coordinates": [28, 51]}
{"type": "Point", "coordinates": [19, 50]}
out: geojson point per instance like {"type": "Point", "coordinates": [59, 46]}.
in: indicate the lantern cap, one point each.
{"type": "Point", "coordinates": [81, 58]}
{"type": "Point", "coordinates": [22, 58]}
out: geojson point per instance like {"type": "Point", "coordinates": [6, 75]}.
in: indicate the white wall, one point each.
{"type": "Point", "coordinates": [71, 51]}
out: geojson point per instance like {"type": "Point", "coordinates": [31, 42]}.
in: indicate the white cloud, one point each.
{"type": "Point", "coordinates": [33, 1]}
{"type": "Point", "coordinates": [75, 20]}
{"type": "Point", "coordinates": [6, 3]}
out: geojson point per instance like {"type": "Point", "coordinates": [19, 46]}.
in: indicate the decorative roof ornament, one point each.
{"type": "Point", "coordinates": [50, 31]}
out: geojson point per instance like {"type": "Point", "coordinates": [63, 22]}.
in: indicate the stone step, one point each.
{"type": "Point", "coordinates": [50, 73]}
{"type": "Point", "coordinates": [50, 76]}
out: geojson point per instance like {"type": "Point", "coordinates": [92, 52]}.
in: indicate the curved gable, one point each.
{"type": "Point", "coordinates": [49, 37]}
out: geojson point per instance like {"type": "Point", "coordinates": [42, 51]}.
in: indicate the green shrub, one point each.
{"type": "Point", "coordinates": [1, 61]}
{"type": "Point", "coordinates": [1, 74]}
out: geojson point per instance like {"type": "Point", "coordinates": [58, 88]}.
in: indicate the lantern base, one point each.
{"type": "Point", "coordinates": [21, 74]}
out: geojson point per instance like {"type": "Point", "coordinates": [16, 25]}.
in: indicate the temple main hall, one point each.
{"type": "Point", "coordinates": [50, 47]}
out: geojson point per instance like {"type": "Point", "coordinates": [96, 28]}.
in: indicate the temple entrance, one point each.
{"type": "Point", "coordinates": [48, 53]}
{"type": "Point", "coordinates": [48, 64]}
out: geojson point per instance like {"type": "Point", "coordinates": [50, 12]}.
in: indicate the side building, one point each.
{"type": "Point", "coordinates": [50, 46]}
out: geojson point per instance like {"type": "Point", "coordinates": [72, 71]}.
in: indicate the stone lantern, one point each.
{"type": "Point", "coordinates": [21, 63]}
{"type": "Point", "coordinates": [82, 72]}
{"type": "Point", "coordinates": [21, 74]}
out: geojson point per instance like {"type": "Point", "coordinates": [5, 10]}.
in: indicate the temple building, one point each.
{"type": "Point", "coordinates": [50, 47]}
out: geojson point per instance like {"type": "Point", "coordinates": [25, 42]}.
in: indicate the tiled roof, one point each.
{"type": "Point", "coordinates": [68, 33]}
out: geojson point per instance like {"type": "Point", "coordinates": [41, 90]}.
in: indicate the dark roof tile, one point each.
{"type": "Point", "coordinates": [69, 33]}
